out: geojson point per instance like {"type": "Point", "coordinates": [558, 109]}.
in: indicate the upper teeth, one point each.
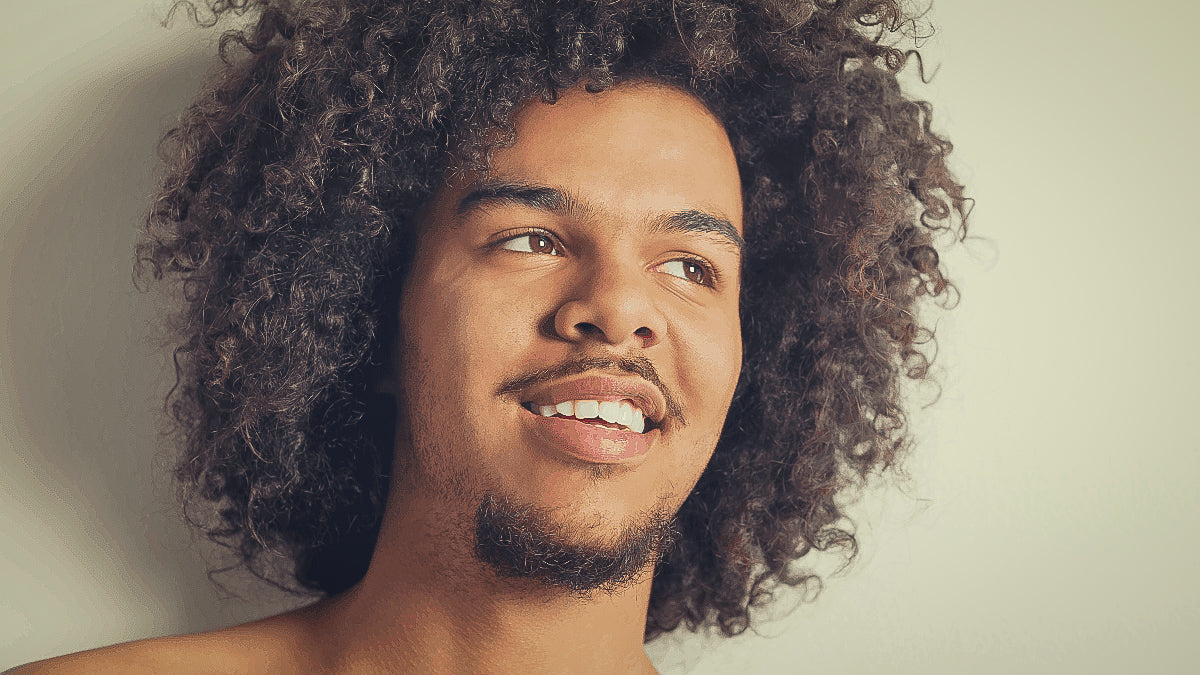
{"type": "Point", "coordinates": [613, 412]}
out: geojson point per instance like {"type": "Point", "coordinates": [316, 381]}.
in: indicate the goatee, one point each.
{"type": "Point", "coordinates": [522, 541]}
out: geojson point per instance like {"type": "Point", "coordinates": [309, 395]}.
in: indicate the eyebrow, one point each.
{"type": "Point", "coordinates": [553, 200]}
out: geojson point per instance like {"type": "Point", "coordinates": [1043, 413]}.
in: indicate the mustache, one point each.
{"type": "Point", "coordinates": [637, 365]}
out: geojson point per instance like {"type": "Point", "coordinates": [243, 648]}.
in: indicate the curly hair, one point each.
{"type": "Point", "coordinates": [287, 213]}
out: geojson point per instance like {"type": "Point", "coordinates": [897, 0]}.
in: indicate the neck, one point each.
{"type": "Point", "coordinates": [427, 605]}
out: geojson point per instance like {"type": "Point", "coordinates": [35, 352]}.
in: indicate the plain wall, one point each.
{"type": "Point", "coordinates": [1049, 520]}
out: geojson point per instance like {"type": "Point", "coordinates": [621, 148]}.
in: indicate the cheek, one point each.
{"type": "Point", "coordinates": [709, 367]}
{"type": "Point", "coordinates": [450, 337]}
{"type": "Point", "coordinates": [463, 337]}
{"type": "Point", "coordinates": [709, 363]}
{"type": "Point", "coordinates": [449, 373]}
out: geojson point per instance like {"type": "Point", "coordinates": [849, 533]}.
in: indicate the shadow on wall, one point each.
{"type": "Point", "coordinates": [94, 548]}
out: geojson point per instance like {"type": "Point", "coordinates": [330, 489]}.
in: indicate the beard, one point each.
{"type": "Point", "coordinates": [520, 541]}
{"type": "Point", "coordinates": [514, 538]}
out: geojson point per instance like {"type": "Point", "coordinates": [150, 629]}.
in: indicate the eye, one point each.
{"type": "Point", "coordinates": [531, 242]}
{"type": "Point", "coordinates": [690, 269]}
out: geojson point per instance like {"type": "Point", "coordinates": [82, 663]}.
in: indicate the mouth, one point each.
{"type": "Point", "coordinates": [624, 414]}
{"type": "Point", "coordinates": [593, 439]}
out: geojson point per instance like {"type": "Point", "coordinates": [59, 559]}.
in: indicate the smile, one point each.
{"type": "Point", "coordinates": [593, 438]}
{"type": "Point", "coordinates": [615, 414]}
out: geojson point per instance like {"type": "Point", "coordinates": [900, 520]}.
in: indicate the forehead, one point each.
{"type": "Point", "coordinates": [637, 149]}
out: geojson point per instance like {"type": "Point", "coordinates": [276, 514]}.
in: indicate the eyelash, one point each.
{"type": "Point", "coordinates": [711, 276]}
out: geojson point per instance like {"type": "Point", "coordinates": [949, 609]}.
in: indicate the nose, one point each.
{"type": "Point", "coordinates": [610, 305]}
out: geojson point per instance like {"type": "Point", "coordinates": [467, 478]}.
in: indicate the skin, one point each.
{"type": "Point", "coordinates": [482, 308]}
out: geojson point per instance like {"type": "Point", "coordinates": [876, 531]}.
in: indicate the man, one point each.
{"type": "Point", "coordinates": [525, 332]}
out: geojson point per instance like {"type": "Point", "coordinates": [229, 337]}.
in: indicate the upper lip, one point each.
{"type": "Point", "coordinates": [598, 388]}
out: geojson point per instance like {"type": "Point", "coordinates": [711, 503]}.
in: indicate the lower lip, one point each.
{"type": "Point", "coordinates": [593, 442]}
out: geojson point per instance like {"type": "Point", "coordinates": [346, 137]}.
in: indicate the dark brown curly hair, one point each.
{"type": "Point", "coordinates": [287, 212]}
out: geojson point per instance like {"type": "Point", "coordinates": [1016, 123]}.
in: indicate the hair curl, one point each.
{"type": "Point", "coordinates": [287, 212]}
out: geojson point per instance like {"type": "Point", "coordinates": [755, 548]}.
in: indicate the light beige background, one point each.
{"type": "Point", "coordinates": [1050, 521]}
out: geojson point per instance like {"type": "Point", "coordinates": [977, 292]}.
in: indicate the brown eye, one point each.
{"type": "Point", "coordinates": [531, 243]}
{"type": "Point", "coordinates": [687, 269]}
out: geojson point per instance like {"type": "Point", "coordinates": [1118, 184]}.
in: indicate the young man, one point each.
{"type": "Point", "coordinates": [526, 332]}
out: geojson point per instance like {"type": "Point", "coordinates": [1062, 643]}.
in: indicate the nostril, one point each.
{"type": "Point", "coordinates": [643, 332]}
{"type": "Point", "coordinates": [589, 328]}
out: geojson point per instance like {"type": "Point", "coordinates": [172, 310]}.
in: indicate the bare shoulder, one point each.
{"type": "Point", "coordinates": [277, 644]}
{"type": "Point", "coordinates": [184, 653]}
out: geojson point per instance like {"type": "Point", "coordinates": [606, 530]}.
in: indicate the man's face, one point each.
{"type": "Point", "coordinates": [594, 270]}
